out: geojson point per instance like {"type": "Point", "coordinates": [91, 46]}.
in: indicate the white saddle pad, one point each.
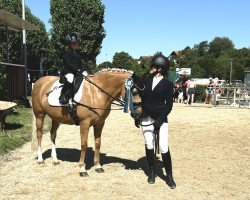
{"type": "Point", "coordinates": [53, 97]}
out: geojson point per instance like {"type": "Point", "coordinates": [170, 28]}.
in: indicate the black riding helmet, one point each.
{"type": "Point", "coordinates": [161, 63]}
{"type": "Point", "coordinates": [72, 37]}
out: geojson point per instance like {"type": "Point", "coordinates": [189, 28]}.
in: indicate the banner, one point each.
{"type": "Point", "coordinates": [183, 71]}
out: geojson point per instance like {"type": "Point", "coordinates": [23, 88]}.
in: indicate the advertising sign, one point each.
{"type": "Point", "coordinates": [183, 71]}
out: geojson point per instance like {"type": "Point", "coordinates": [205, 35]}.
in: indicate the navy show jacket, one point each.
{"type": "Point", "coordinates": [156, 103]}
{"type": "Point", "coordinates": [72, 61]}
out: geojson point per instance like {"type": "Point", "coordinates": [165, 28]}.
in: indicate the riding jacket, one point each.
{"type": "Point", "coordinates": [72, 62]}
{"type": "Point", "coordinates": [156, 103]}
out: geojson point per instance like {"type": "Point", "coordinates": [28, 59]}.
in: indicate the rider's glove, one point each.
{"type": "Point", "coordinates": [79, 72]}
{"type": "Point", "coordinates": [157, 124]}
{"type": "Point", "coordinates": [137, 123]}
{"type": "Point", "coordinates": [63, 79]}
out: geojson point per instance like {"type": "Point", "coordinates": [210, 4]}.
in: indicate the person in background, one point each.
{"type": "Point", "coordinates": [190, 91]}
{"type": "Point", "coordinates": [71, 75]}
{"type": "Point", "coordinates": [209, 91]}
{"type": "Point", "coordinates": [184, 88]}
{"type": "Point", "coordinates": [217, 94]}
{"type": "Point", "coordinates": [157, 103]}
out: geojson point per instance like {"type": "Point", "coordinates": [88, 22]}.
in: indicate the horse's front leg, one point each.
{"type": "Point", "coordinates": [53, 131]}
{"type": "Point", "coordinates": [97, 133]}
{"type": "Point", "coordinates": [84, 131]}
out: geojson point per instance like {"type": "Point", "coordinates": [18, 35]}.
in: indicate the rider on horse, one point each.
{"type": "Point", "coordinates": [71, 75]}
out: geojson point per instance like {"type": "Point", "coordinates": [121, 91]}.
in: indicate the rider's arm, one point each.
{"type": "Point", "coordinates": [71, 61]}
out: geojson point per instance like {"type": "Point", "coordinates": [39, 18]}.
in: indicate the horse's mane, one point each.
{"type": "Point", "coordinates": [113, 70]}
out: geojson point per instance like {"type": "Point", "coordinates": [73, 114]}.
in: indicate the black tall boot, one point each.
{"type": "Point", "coordinates": [151, 165]}
{"type": "Point", "coordinates": [65, 94]}
{"type": "Point", "coordinates": [167, 163]}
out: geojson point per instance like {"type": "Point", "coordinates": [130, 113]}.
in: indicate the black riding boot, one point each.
{"type": "Point", "coordinates": [65, 94]}
{"type": "Point", "coordinates": [167, 163]}
{"type": "Point", "coordinates": [151, 165]}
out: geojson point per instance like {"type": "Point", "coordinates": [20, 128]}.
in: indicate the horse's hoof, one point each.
{"type": "Point", "coordinates": [40, 162]}
{"type": "Point", "coordinates": [99, 170]}
{"type": "Point", "coordinates": [56, 162]}
{"type": "Point", "coordinates": [83, 174]}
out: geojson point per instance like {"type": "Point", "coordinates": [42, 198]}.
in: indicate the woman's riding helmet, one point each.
{"type": "Point", "coordinates": [161, 63]}
{"type": "Point", "coordinates": [72, 37]}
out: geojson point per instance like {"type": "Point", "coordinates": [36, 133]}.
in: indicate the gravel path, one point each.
{"type": "Point", "coordinates": [209, 147]}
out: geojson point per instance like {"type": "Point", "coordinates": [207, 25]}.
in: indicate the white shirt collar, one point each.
{"type": "Point", "coordinates": [156, 80]}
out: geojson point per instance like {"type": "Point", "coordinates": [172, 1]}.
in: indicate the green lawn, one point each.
{"type": "Point", "coordinates": [18, 129]}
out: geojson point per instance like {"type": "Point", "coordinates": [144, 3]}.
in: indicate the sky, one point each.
{"type": "Point", "coordinates": [144, 27]}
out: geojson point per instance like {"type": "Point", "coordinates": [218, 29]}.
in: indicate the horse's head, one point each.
{"type": "Point", "coordinates": [118, 83]}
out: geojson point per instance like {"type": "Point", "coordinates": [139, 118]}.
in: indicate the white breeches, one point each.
{"type": "Point", "coordinates": [70, 76]}
{"type": "Point", "coordinates": [149, 135]}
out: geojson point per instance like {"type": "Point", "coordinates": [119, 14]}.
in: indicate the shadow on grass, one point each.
{"type": "Point", "coordinates": [12, 126]}
{"type": "Point", "coordinates": [73, 155]}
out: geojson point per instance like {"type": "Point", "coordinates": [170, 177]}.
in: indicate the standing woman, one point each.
{"type": "Point", "coordinates": [157, 103]}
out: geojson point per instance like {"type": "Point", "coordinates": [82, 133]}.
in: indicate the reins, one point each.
{"type": "Point", "coordinates": [93, 109]}
{"type": "Point", "coordinates": [114, 98]}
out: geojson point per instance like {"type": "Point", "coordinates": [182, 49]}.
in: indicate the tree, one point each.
{"type": "Point", "coordinates": [123, 60]}
{"type": "Point", "coordinates": [38, 45]}
{"type": "Point", "coordinates": [85, 17]}
{"type": "Point", "coordinates": [202, 48]}
{"type": "Point", "coordinates": [103, 65]}
{"type": "Point", "coordinates": [142, 67]}
{"type": "Point", "coordinates": [37, 41]}
{"type": "Point", "coordinates": [222, 67]}
{"type": "Point", "coordinates": [219, 45]}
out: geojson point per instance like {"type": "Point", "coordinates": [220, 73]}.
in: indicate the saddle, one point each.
{"type": "Point", "coordinates": [55, 92]}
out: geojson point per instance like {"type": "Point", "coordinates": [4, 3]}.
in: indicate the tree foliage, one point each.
{"type": "Point", "coordinates": [37, 42]}
{"type": "Point", "coordinates": [220, 45]}
{"type": "Point", "coordinates": [123, 60]}
{"type": "Point", "coordinates": [86, 18]}
{"type": "Point", "coordinates": [106, 64]}
{"type": "Point", "coordinates": [213, 59]}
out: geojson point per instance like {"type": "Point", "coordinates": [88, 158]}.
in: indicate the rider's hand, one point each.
{"type": "Point", "coordinates": [137, 123]}
{"type": "Point", "coordinates": [157, 124]}
{"type": "Point", "coordinates": [79, 72]}
{"type": "Point", "coordinates": [63, 79]}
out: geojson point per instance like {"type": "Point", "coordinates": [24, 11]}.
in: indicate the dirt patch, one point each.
{"type": "Point", "coordinates": [209, 147]}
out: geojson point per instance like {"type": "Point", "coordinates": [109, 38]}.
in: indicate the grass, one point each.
{"type": "Point", "coordinates": [18, 129]}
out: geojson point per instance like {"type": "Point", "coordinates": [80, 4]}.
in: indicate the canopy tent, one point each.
{"type": "Point", "coordinates": [15, 23]}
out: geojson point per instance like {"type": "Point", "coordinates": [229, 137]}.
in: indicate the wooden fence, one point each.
{"type": "Point", "coordinates": [14, 85]}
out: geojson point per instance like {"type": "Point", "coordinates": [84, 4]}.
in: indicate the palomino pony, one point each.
{"type": "Point", "coordinates": [106, 86]}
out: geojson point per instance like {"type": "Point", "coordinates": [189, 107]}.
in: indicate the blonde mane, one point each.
{"type": "Point", "coordinates": [113, 70]}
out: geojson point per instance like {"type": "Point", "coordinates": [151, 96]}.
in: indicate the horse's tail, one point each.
{"type": "Point", "coordinates": [34, 144]}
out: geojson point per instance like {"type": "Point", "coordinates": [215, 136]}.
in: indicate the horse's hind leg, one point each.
{"type": "Point", "coordinates": [97, 133]}
{"type": "Point", "coordinates": [53, 132]}
{"type": "Point", "coordinates": [39, 135]}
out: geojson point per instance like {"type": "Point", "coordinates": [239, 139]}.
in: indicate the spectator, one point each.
{"type": "Point", "coordinates": [190, 91]}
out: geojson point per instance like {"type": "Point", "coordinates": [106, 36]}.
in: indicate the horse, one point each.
{"type": "Point", "coordinates": [99, 92]}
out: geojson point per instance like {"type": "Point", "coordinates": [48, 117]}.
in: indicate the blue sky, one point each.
{"type": "Point", "coordinates": [143, 27]}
